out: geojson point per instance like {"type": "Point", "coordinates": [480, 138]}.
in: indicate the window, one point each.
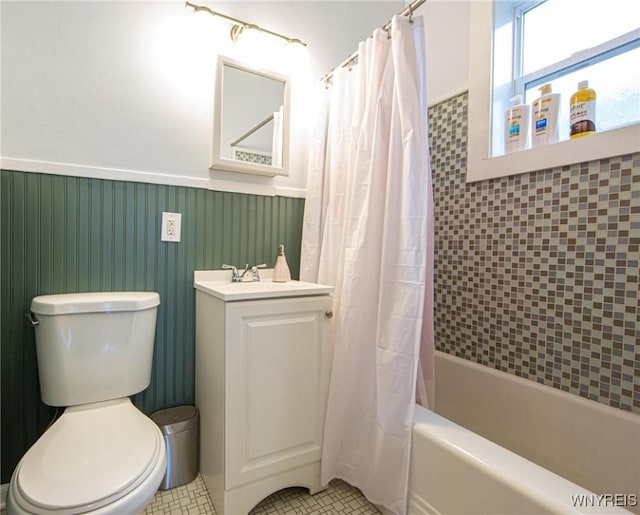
{"type": "Point", "coordinates": [562, 43]}
{"type": "Point", "coordinates": [517, 46]}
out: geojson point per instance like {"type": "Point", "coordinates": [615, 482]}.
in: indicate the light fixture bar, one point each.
{"type": "Point", "coordinates": [243, 24]}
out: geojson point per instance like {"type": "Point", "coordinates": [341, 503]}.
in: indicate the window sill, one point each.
{"type": "Point", "coordinates": [601, 145]}
{"type": "Point", "coordinates": [597, 146]}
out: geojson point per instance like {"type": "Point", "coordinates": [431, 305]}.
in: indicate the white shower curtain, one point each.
{"type": "Point", "coordinates": [366, 231]}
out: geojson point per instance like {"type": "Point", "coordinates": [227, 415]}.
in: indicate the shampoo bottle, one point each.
{"type": "Point", "coordinates": [544, 121]}
{"type": "Point", "coordinates": [583, 111]}
{"type": "Point", "coordinates": [516, 125]}
{"type": "Point", "coordinates": [281, 272]}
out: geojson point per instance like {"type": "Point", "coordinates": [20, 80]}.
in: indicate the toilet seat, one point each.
{"type": "Point", "coordinates": [90, 457]}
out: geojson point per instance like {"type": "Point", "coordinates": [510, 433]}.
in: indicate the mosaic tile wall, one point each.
{"type": "Point", "coordinates": [537, 273]}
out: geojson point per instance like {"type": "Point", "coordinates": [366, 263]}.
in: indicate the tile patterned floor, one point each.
{"type": "Point", "coordinates": [190, 499]}
{"type": "Point", "coordinates": [193, 499]}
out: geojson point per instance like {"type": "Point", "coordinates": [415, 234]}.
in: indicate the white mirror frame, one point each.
{"type": "Point", "coordinates": [230, 165]}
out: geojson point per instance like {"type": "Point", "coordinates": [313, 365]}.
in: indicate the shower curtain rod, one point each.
{"type": "Point", "coordinates": [387, 26]}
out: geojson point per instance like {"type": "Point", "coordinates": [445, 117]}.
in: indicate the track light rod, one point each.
{"type": "Point", "coordinates": [235, 32]}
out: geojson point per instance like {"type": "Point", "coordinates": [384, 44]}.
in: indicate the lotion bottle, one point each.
{"type": "Point", "coordinates": [544, 121]}
{"type": "Point", "coordinates": [281, 272]}
{"type": "Point", "coordinates": [583, 111]}
{"type": "Point", "coordinates": [516, 125]}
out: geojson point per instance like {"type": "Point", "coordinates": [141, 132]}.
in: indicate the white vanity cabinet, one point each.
{"type": "Point", "coordinates": [262, 374]}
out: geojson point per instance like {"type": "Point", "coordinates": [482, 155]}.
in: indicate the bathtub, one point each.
{"type": "Point", "coordinates": [502, 444]}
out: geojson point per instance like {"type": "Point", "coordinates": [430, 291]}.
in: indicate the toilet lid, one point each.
{"type": "Point", "coordinates": [89, 456]}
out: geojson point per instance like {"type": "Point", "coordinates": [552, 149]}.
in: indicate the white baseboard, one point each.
{"type": "Point", "coordinates": [384, 510]}
{"type": "Point", "coordinates": [418, 506]}
{"type": "Point", "coordinates": [4, 489]}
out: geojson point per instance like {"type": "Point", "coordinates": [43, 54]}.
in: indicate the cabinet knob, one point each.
{"type": "Point", "coordinates": [328, 314]}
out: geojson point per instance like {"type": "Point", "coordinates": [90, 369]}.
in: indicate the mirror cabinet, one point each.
{"type": "Point", "coordinates": [251, 120]}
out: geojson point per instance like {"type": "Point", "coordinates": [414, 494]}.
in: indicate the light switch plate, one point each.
{"type": "Point", "coordinates": [171, 226]}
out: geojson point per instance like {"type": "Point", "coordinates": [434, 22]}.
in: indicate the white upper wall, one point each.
{"type": "Point", "coordinates": [124, 90]}
{"type": "Point", "coordinates": [447, 42]}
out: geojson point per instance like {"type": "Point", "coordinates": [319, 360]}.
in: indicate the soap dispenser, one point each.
{"type": "Point", "coordinates": [281, 272]}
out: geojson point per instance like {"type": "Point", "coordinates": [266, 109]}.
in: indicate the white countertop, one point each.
{"type": "Point", "coordinates": [218, 284]}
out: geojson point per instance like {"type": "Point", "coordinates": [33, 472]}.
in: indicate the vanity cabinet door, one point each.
{"type": "Point", "coordinates": [278, 358]}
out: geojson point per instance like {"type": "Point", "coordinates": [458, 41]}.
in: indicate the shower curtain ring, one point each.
{"type": "Point", "coordinates": [349, 63]}
{"type": "Point", "coordinates": [411, 12]}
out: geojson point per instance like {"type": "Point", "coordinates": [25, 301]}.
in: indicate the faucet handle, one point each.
{"type": "Point", "coordinates": [255, 271]}
{"type": "Point", "coordinates": [233, 269]}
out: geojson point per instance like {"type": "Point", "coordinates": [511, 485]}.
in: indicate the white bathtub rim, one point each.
{"type": "Point", "coordinates": [531, 480]}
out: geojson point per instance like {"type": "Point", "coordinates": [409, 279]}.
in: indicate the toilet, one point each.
{"type": "Point", "coordinates": [102, 455]}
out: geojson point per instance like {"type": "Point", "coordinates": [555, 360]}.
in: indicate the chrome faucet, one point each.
{"type": "Point", "coordinates": [236, 276]}
{"type": "Point", "coordinates": [239, 276]}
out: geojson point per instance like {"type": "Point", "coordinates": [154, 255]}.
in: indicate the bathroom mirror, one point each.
{"type": "Point", "coordinates": [251, 120]}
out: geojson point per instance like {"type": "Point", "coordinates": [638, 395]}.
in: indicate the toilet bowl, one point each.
{"type": "Point", "coordinates": [102, 455]}
{"type": "Point", "coordinates": [101, 458]}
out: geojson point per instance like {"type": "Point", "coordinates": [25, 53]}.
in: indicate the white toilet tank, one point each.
{"type": "Point", "coordinates": [94, 346]}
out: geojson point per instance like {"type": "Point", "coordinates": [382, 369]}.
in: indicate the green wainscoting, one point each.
{"type": "Point", "coordinates": [67, 234]}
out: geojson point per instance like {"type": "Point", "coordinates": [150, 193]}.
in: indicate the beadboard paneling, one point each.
{"type": "Point", "coordinates": [69, 234]}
